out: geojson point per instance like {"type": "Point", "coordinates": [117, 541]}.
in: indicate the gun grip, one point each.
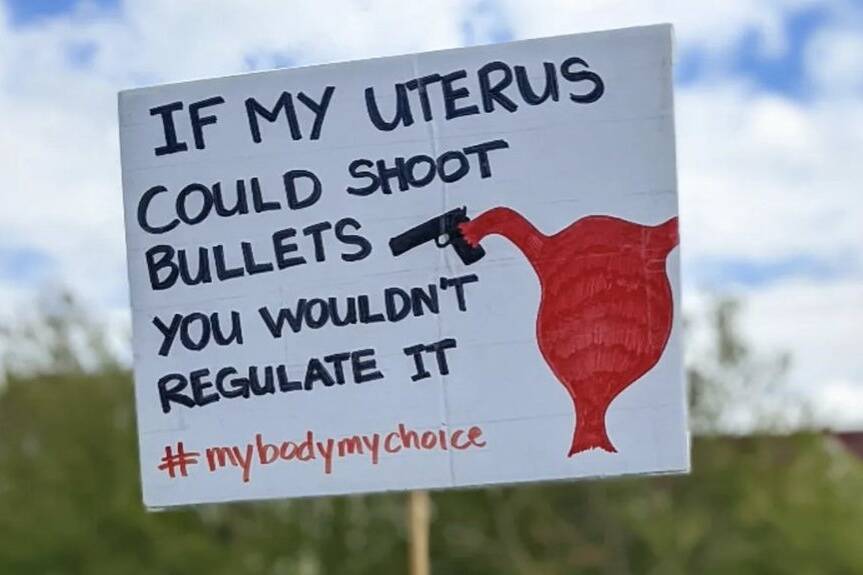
{"type": "Point", "coordinates": [468, 254]}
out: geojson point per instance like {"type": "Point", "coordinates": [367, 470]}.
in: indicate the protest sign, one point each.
{"type": "Point", "coordinates": [444, 269]}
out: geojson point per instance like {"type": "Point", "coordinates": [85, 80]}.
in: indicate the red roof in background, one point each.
{"type": "Point", "coordinates": [853, 442]}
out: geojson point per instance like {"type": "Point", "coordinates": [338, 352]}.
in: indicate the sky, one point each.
{"type": "Point", "coordinates": [769, 106]}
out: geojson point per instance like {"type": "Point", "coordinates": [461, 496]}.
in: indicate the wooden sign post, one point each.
{"type": "Point", "coordinates": [419, 521]}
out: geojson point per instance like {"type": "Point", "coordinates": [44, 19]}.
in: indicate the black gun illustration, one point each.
{"type": "Point", "coordinates": [444, 231]}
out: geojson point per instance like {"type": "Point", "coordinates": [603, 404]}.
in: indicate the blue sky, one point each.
{"type": "Point", "coordinates": [26, 12]}
{"type": "Point", "coordinates": [778, 71]}
{"type": "Point", "coordinates": [750, 59]}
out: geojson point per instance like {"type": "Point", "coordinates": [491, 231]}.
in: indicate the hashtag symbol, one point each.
{"type": "Point", "coordinates": [172, 461]}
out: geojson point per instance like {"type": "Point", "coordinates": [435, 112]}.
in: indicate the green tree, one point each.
{"type": "Point", "coordinates": [70, 497]}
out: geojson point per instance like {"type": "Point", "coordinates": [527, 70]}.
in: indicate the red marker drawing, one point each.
{"type": "Point", "coordinates": [606, 306]}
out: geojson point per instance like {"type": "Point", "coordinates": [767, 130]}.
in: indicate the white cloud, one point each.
{"type": "Point", "coordinates": [169, 41]}
{"type": "Point", "coordinates": [713, 26]}
{"type": "Point", "coordinates": [834, 61]}
{"type": "Point", "coordinates": [761, 176]}
{"type": "Point", "coordinates": [765, 177]}
{"type": "Point", "coordinates": [58, 147]}
{"type": "Point", "coordinates": [821, 325]}
{"type": "Point", "coordinates": [840, 404]}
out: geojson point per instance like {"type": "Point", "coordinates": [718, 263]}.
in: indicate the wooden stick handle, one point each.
{"type": "Point", "coordinates": [419, 518]}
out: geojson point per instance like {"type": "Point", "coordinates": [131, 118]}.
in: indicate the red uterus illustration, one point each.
{"type": "Point", "coordinates": [606, 306]}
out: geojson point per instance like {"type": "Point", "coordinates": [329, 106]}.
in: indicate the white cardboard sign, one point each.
{"type": "Point", "coordinates": [443, 269]}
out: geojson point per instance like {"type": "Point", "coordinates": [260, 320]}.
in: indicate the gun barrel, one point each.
{"type": "Point", "coordinates": [404, 242]}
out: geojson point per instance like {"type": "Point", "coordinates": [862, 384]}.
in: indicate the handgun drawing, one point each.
{"type": "Point", "coordinates": [444, 230]}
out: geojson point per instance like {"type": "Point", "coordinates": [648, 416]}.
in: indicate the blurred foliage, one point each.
{"type": "Point", "coordinates": [70, 500]}
{"type": "Point", "coordinates": [731, 387]}
{"type": "Point", "coordinates": [56, 336]}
